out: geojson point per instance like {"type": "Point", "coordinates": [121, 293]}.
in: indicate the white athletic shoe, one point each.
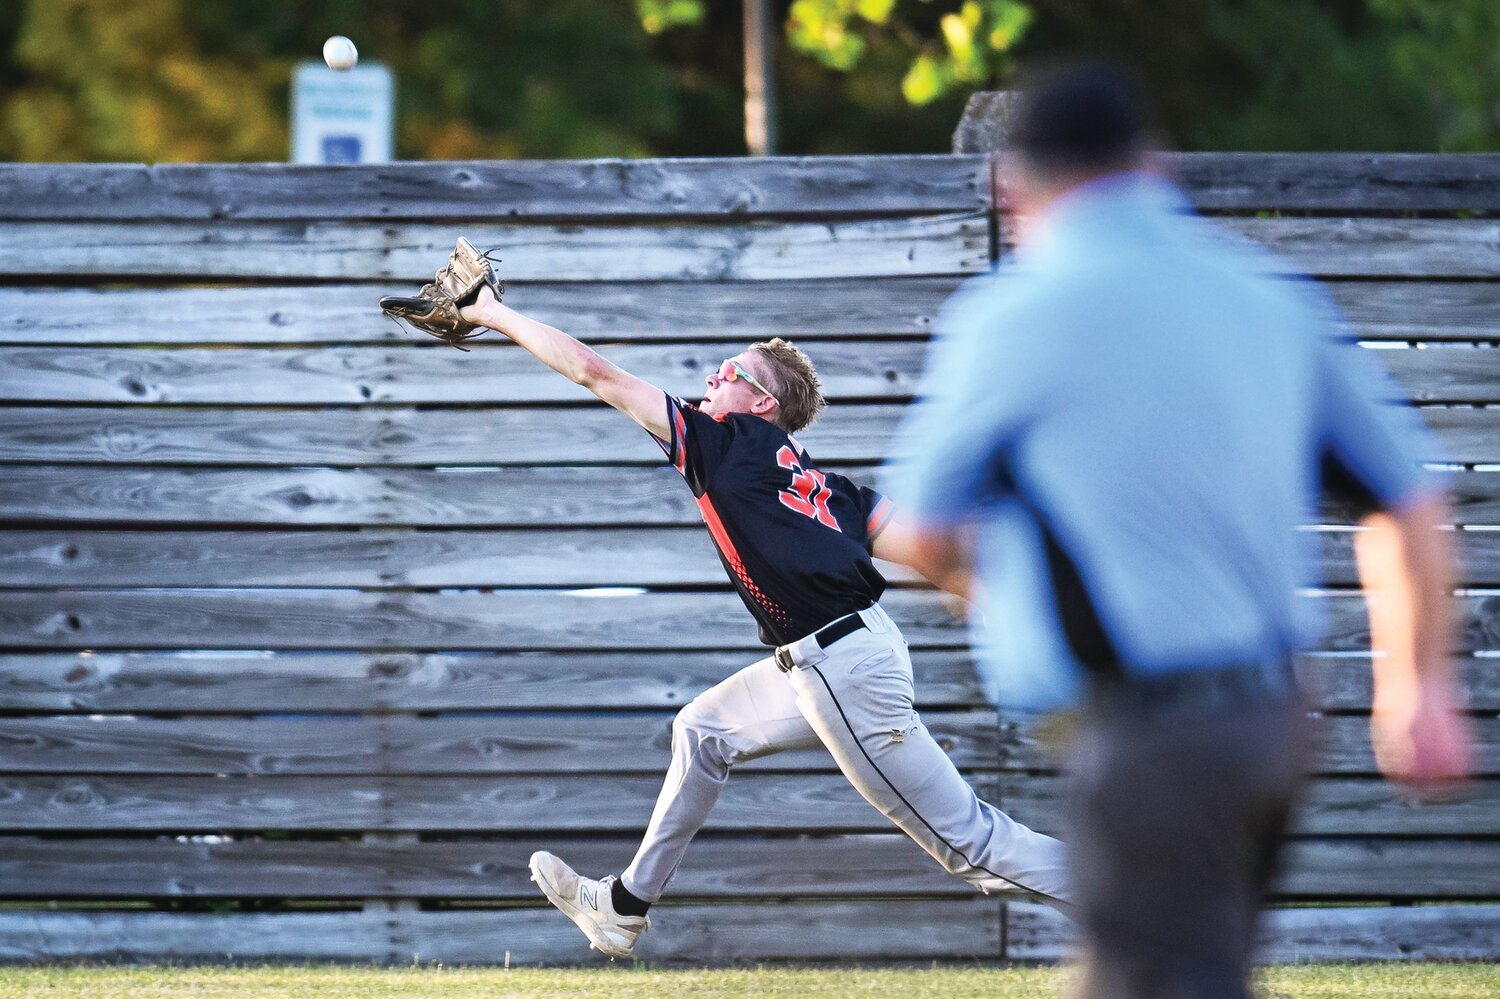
{"type": "Point", "coordinates": [589, 903]}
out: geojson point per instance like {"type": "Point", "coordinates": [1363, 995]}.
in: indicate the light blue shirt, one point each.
{"type": "Point", "coordinates": [1135, 417]}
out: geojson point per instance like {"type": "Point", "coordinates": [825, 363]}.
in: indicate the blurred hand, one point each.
{"type": "Point", "coordinates": [1423, 742]}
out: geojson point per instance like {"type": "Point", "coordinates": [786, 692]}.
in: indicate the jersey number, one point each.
{"type": "Point", "coordinates": [809, 493]}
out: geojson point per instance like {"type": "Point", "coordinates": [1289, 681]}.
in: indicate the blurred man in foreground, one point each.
{"type": "Point", "coordinates": [1121, 430]}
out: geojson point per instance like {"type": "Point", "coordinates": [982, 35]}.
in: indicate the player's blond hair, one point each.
{"type": "Point", "coordinates": [794, 380]}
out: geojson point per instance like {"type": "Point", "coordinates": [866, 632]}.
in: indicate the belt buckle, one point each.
{"type": "Point", "coordinates": [783, 657]}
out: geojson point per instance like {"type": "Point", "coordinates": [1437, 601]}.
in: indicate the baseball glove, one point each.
{"type": "Point", "coordinates": [434, 309]}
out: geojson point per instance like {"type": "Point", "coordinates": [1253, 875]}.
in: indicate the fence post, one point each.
{"type": "Point", "coordinates": [984, 128]}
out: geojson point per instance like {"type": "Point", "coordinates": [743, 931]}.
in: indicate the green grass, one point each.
{"type": "Point", "coordinates": [1389, 981]}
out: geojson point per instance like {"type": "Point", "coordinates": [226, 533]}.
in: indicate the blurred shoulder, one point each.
{"type": "Point", "coordinates": [999, 301]}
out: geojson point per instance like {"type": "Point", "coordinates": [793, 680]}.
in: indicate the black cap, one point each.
{"type": "Point", "coordinates": [1083, 117]}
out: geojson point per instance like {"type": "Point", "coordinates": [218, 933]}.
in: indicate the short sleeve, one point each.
{"type": "Point", "coordinates": [697, 443]}
{"type": "Point", "coordinates": [875, 509]}
{"type": "Point", "coordinates": [1371, 451]}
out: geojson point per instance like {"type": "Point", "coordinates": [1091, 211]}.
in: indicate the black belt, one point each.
{"type": "Point", "coordinates": [1222, 688]}
{"type": "Point", "coordinates": [826, 636]}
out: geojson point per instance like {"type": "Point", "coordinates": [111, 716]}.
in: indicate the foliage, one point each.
{"type": "Point", "coordinates": [951, 43]}
{"type": "Point", "coordinates": [1314, 77]}
{"type": "Point", "coordinates": [1450, 49]}
{"type": "Point", "coordinates": [659, 15]}
{"type": "Point", "coordinates": [1300, 74]}
{"type": "Point", "coordinates": [163, 80]}
{"type": "Point", "coordinates": [104, 80]}
{"type": "Point", "coordinates": [160, 80]}
{"type": "Point", "coordinates": [971, 46]}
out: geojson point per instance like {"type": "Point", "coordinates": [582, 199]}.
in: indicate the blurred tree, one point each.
{"type": "Point", "coordinates": [1450, 50]}
{"type": "Point", "coordinates": [1311, 75]}
{"type": "Point", "coordinates": [970, 46]}
{"type": "Point", "coordinates": [950, 43]}
{"type": "Point", "coordinates": [208, 79]}
{"type": "Point", "coordinates": [95, 79]}
{"type": "Point", "coordinates": [1301, 74]}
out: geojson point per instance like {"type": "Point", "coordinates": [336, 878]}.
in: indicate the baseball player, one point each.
{"type": "Point", "coordinates": [798, 543]}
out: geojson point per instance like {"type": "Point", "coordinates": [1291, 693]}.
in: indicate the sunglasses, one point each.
{"type": "Point", "coordinates": [729, 371]}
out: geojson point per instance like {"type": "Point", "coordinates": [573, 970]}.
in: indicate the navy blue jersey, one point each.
{"type": "Point", "coordinates": [794, 539]}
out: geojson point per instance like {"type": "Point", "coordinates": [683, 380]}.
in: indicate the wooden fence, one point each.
{"type": "Point", "coordinates": [304, 643]}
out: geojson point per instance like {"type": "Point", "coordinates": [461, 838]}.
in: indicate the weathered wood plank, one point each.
{"type": "Point", "coordinates": [1478, 552]}
{"type": "Point", "coordinates": [1390, 868]}
{"type": "Point", "coordinates": [41, 935]}
{"type": "Point", "coordinates": [593, 311]}
{"type": "Point", "coordinates": [823, 185]}
{"type": "Point", "coordinates": [466, 497]}
{"type": "Point", "coordinates": [510, 619]}
{"type": "Point", "coordinates": [612, 311]}
{"type": "Point", "coordinates": [1034, 932]}
{"type": "Point", "coordinates": [1378, 869]}
{"type": "Point", "coordinates": [923, 245]}
{"type": "Point", "coordinates": [1411, 933]}
{"type": "Point", "coordinates": [1343, 682]}
{"type": "Point", "coordinates": [354, 681]}
{"type": "Point", "coordinates": [372, 558]}
{"type": "Point", "coordinates": [737, 868]}
{"type": "Point", "coordinates": [1358, 182]}
{"type": "Point", "coordinates": [1378, 247]}
{"type": "Point", "coordinates": [1331, 806]}
{"type": "Point", "coordinates": [1445, 374]}
{"type": "Point", "coordinates": [499, 743]}
{"type": "Point", "coordinates": [701, 934]}
{"type": "Point", "coordinates": [379, 558]}
{"type": "Point", "coordinates": [510, 744]}
{"type": "Point", "coordinates": [709, 934]}
{"type": "Point", "coordinates": [1468, 435]}
{"type": "Point", "coordinates": [1342, 746]}
{"type": "Point", "coordinates": [410, 252]}
{"type": "Point", "coordinates": [498, 373]}
{"type": "Point", "coordinates": [1478, 623]}
{"type": "Point", "coordinates": [504, 620]}
{"type": "Point", "coordinates": [1329, 247]}
{"type": "Point", "coordinates": [493, 804]}
{"type": "Point", "coordinates": [353, 496]}
{"type": "Point", "coordinates": [496, 189]}
{"type": "Point", "coordinates": [1420, 310]}
{"type": "Point", "coordinates": [851, 432]}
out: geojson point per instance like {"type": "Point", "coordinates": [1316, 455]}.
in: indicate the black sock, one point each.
{"type": "Point", "coordinates": [625, 903]}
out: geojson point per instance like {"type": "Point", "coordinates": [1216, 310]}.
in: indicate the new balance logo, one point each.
{"type": "Point", "coordinates": [590, 896]}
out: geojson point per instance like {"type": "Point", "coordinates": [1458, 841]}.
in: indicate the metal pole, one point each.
{"type": "Point", "coordinates": [760, 80]}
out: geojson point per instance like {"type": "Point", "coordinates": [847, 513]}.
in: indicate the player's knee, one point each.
{"type": "Point", "coordinates": [689, 722]}
{"type": "Point", "coordinates": [693, 733]}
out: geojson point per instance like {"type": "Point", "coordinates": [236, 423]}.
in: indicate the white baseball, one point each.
{"type": "Point", "coordinates": [340, 53]}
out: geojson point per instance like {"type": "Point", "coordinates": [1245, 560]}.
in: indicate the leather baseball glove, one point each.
{"type": "Point", "coordinates": [434, 309]}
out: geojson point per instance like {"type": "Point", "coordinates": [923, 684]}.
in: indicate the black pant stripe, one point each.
{"type": "Point", "coordinates": [897, 791]}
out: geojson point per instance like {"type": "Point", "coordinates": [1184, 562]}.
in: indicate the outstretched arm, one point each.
{"type": "Point", "coordinates": [1406, 567]}
{"type": "Point", "coordinates": [636, 398]}
{"type": "Point", "coordinates": [940, 556]}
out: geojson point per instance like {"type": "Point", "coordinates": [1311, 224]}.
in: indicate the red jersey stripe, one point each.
{"type": "Point", "coordinates": [879, 517]}
{"type": "Point", "coordinates": [732, 556]}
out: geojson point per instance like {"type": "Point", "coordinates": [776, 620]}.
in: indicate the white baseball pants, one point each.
{"type": "Point", "coordinates": [855, 698]}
